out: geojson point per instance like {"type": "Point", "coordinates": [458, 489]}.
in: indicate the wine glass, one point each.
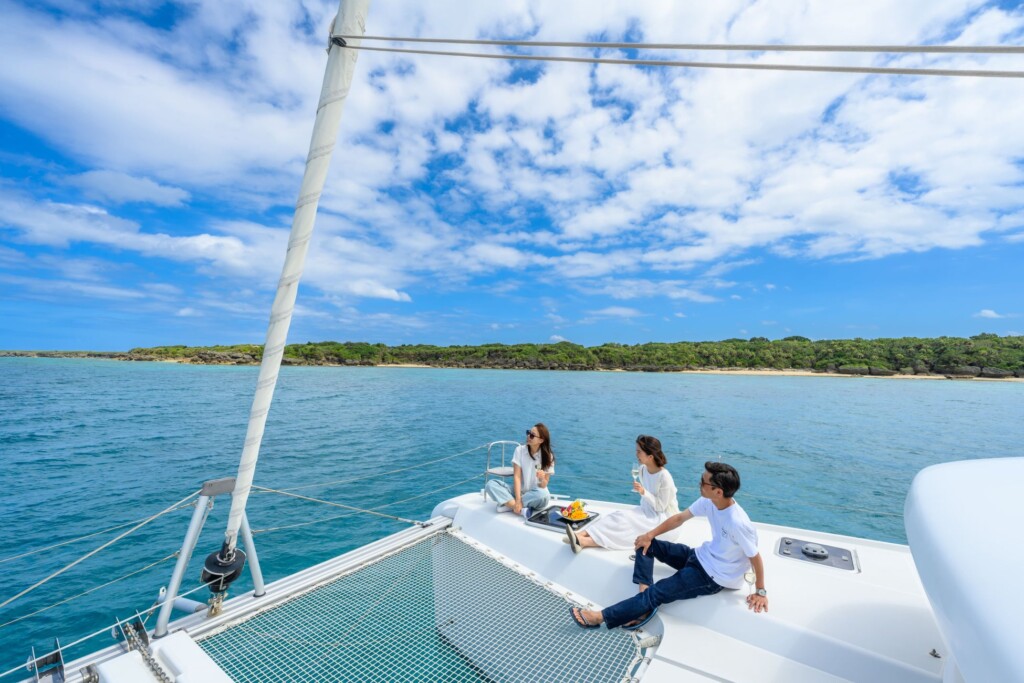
{"type": "Point", "coordinates": [749, 577]}
{"type": "Point", "coordinates": [636, 472]}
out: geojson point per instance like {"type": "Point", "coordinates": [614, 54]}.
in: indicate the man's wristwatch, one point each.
{"type": "Point", "coordinates": [762, 592]}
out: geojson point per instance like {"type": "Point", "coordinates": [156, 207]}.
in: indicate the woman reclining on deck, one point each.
{"type": "Point", "coordinates": [533, 465]}
{"type": "Point", "coordinates": [657, 503]}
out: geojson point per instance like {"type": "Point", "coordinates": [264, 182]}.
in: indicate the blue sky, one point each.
{"type": "Point", "coordinates": [151, 153]}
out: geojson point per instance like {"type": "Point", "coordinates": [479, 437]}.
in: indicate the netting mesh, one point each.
{"type": "Point", "coordinates": [437, 610]}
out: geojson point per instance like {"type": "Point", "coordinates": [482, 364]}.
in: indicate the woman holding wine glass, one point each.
{"type": "Point", "coordinates": [533, 465]}
{"type": "Point", "coordinates": [657, 490]}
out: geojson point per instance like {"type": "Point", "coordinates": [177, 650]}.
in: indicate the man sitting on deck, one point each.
{"type": "Point", "coordinates": [717, 564]}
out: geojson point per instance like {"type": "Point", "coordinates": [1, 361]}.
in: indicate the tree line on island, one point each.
{"type": "Point", "coordinates": [985, 355]}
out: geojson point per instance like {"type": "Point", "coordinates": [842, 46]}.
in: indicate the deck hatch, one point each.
{"type": "Point", "coordinates": [439, 609]}
{"type": "Point", "coordinates": [816, 553]}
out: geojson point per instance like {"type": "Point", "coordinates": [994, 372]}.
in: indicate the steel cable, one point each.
{"type": "Point", "coordinates": [875, 70]}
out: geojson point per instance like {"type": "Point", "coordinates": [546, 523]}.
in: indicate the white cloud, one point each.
{"type": "Point", "coordinates": [239, 249]}
{"type": "Point", "coordinates": [55, 288]}
{"type": "Point", "coordinates": [992, 315]}
{"type": "Point", "coordinates": [555, 319]}
{"type": "Point", "coordinates": [635, 288]}
{"type": "Point", "coordinates": [162, 289]}
{"type": "Point", "coordinates": [121, 188]}
{"type": "Point", "coordinates": [188, 312]}
{"type": "Point", "coordinates": [617, 312]}
{"type": "Point", "coordinates": [611, 181]}
{"type": "Point", "coordinates": [495, 255]}
{"type": "Point", "coordinates": [557, 338]}
{"type": "Point", "coordinates": [140, 106]}
{"type": "Point", "coordinates": [12, 258]}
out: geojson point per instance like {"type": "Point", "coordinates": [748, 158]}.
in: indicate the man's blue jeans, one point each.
{"type": "Point", "coordinates": [690, 581]}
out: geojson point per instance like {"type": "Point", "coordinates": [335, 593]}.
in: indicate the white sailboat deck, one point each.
{"type": "Point", "coordinates": [480, 595]}
{"type": "Point", "coordinates": [824, 624]}
{"type": "Point", "coordinates": [476, 595]}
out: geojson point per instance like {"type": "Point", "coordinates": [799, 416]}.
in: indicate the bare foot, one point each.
{"type": "Point", "coordinates": [592, 616]}
{"type": "Point", "coordinates": [642, 587]}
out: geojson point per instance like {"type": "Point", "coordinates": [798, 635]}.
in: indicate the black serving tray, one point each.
{"type": "Point", "coordinates": [551, 518]}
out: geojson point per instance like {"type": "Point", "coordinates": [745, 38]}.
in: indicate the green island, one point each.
{"type": "Point", "coordinates": [983, 355]}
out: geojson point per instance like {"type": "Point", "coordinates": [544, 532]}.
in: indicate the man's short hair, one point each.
{"type": "Point", "coordinates": [724, 477]}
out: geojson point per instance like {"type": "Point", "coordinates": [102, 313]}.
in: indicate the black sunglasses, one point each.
{"type": "Point", "coordinates": [531, 435]}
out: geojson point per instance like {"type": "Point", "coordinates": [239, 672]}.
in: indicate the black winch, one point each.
{"type": "Point", "coordinates": [222, 568]}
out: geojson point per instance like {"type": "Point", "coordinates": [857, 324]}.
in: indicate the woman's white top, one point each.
{"type": "Point", "coordinates": [529, 466]}
{"type": "Point", "coordinates": [617, 530]}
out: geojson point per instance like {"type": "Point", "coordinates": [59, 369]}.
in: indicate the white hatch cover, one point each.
{"type": "Point", "coordinates": [179, 658]}
{"type": "Point", "coordinates": [964, 522]}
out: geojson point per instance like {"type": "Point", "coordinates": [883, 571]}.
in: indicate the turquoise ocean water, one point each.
{"type": "Point", "coordinates": [86, 445]}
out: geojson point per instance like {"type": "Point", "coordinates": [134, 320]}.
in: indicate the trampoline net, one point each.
{"type": "Point", "coordinates": [436, 610]}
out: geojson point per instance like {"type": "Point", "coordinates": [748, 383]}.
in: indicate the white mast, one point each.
{"type": "Point", "coordinates": [341, 63]}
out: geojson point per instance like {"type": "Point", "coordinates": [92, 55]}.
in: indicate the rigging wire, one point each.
{"type": "Point", "coordinates": [876, 70]}
{"type": "Point", "coordinates": [182, 504]}
{"type": "Point", "coordinates": [91, 590]}
{"type": "Point", "coordinates": [332, 503]}
{"type": "Point", "coordinates": [89, 554]}
{"type": "Point", "coordinates": [770, 499]}
{"type": "Point", "coordinates": [354, 509]}
{"type": "Point", "coordinates": [721, 47]}
{"type": "Point", "coordinates": [106, 629]}
{"type": "Point", "coordinates": [81, 538]}
{"type": "Point", "coordinates": [380, 474]}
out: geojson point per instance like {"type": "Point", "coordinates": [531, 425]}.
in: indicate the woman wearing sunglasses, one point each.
{"type": "Point", "coordinates": [533, 464]}
{"type": "Point", "coordinates": [657, 490]}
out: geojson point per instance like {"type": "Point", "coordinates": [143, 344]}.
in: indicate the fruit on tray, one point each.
{"type": "Point", "coordinates": [575, 511]}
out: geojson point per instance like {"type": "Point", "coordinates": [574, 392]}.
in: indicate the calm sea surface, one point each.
{"type": "Point", "coordinates": [86, 445]}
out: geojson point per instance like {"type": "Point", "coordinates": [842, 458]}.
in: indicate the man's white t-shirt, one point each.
{"type": "Point", "coordinates": [529, 467]}
{"type": "Point", "coordinates": [726, 557]}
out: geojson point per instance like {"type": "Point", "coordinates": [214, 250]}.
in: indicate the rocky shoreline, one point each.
{"type": "Point", "coordinates": [116, 355]}
{"type": "Point", "coordinates": [207, 357]}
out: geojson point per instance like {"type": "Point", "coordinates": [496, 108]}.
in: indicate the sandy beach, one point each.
{"type": "Point", "coordinates": [766, 373]}
{"type": "Point", "coordinates": [809, 373]}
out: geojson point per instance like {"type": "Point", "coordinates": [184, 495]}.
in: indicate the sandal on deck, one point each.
{"type": "Point", "coordinates": [581, 621]}
{"type": "Point", "coordinates": [574, 541]}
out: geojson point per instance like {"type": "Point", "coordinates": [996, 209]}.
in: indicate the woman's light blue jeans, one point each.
{"type": "Point", "coordinates": [500, 492]}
